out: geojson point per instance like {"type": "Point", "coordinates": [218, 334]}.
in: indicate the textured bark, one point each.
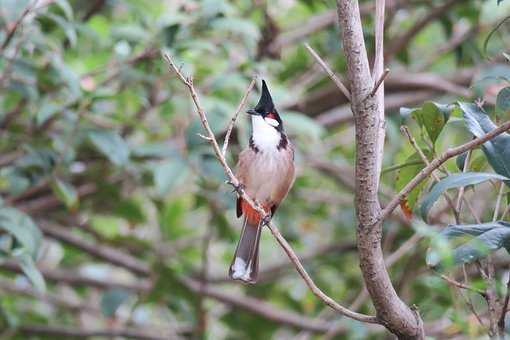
{"type": "Point", "coordinates": [396, 316]}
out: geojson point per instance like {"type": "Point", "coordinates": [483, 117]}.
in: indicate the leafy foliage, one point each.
{"type": "Point", "coordinates": [497, 150]}
{"type": "Point", "coordinates": [479, 240]}
{"type": "Point", "coordinates": [454, 181]}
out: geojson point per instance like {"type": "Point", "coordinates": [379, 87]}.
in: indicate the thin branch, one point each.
{"type": "Point", "coordinates": [103, 252]}
{"type": "Point", "coordinates": [233, 121]}
{"type": "Point", "coordinates": [329, 72]}
{"type": "Point", "coordinates": [498, 202]}
{"type": "Point", "coordinates": [309, 282]}
{"type": "Point", "coordinates": [259, 307]}
{"type": "Point", "coordinates": [235, 182]}
{"type": "Point", "coordinates": [12, 30]}
{"type": "Point", "coordinates": [507, 210]}
{"type": "Point", "coordinates": [378, 83]}
{"type": "Point", "coordinates": [462, 190]}
{"type": "Point", "coordinates": [425, 160]}
{"type": "Point", "coordinates": [437, 162]}
{"type": "Point", "coordinates": [461, 285]}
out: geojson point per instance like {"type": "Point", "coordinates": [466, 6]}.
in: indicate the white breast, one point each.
{"type": "Point", "coordinates": [265, 137]}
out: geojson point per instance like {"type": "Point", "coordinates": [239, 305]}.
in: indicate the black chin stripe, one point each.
{"type": "Point", "coordinates": [253, 146]}
{"type": "Point", "coordinates": [283, 142]}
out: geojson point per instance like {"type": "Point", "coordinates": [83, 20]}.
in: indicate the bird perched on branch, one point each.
{"type": "Point", "coordinates": [265, 170]}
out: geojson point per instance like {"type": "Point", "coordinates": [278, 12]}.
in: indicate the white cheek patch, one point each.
{"type": "Point", "coordinates": [272, 122]}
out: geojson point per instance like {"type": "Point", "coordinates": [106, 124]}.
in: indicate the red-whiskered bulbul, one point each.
{"type": "Point", "coordinates": [265, 170]}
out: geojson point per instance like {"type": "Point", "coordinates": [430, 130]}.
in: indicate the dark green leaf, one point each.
{"type": "Point", "coordinates": [503, 100]}
{"type": "Point", "coordinates": [434, 117]}
{"type": "Point", "coordinates": [112, 299]}
{"type": "Point", "coordinates": [21, 226]}
{"type": "Point", "coordinates": [454, 181]}
{"type": "Point", "coordinates": [473, 241]}
{"type": "Point", "coordinates": [66, 193]}
{"type": "Point", "coordinates": [111, 144]}
{"type": "Point", "coordinates": [497, 150]}
{"type": "Point", "coordinates": [27, 264]}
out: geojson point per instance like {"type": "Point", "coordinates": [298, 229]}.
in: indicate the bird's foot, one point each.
{"type": "Point", "coordinates": [237, 188]}
{"type": "Point", "coordinates": [265, 220]}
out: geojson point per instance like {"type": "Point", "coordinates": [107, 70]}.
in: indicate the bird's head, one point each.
{"type": "Point", "coordinates": [266, 110]}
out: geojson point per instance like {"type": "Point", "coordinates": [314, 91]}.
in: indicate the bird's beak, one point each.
{"type": "Point", "coordinates": [252, 112]}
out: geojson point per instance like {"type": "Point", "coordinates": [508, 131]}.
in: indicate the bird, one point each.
{"type": "Point", "coordinates": [265, 170]}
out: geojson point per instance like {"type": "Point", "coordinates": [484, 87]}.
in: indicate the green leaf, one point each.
{"type": "Point", "coordinates": [454, 181]}
{"type": "Point", "coordinates": [66, 8]}
{"type": "Point", "coordinates": [503, 100]}
{"type": "Point", "coordinates": [473, 241]}
{"type": "Point", "coordinates": [21, 226]}
{"type": "Point", "coordinates": [433, 117]}
{"type": "Point", "coordinates": [66, 26]}
{"type": "Point", "coordinates": [168, 174]}
{"type": "Point", "coordinates": [46, 111]}
{"type": "Point", "coordinates": [66, 193]}
{"type": "Point", "coordinates": [406, 174]}
{"type": "Point", "coordinates": [112, 300]}
{"type": "Point", "coordinates": [110, 144]}
{"type": "Point", "coordinates": [27, 264]}
{"type": "Point", "coordinates": [497, 150]}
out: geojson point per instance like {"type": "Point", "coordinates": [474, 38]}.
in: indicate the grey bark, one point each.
{"type": "Point", "coordinates": [396, 316]}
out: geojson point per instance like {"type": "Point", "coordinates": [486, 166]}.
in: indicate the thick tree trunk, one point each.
{"type": "Point", "coordinates": [395, 314]}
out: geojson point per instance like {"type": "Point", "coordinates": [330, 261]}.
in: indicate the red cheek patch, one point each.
{"type": "Point", "coordinates": [271, 115]}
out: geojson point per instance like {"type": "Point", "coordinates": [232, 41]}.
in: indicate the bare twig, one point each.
{"type": "Point", "coordinates": [329, 72]}
{"type": "Point", "coordinates": [103, 252]}
{"type": "Point", "coordinates": [437, 162]}
{"type": "Point", "coordinates": [233, 120]}
{"type": "Point", "coordinates": [235, 182]}
{"type": "Point", "coordinates": [309, 282]}
{"type": "Point", "coordinates": [498, 202]}
{"type": "Point", "coordinates": [462, 190]}
{"type": "Point", "coordinates": [425, 160]}
{"type": "Point", "coordinates": [461, 285]}
{"type": "Point", "coordinates": [14, 27]}
{"type": "Point", "coordinates": [378, 83]}
{"type": "Point", "coordinates": [507, 210]}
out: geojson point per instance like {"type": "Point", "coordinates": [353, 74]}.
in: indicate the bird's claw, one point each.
{"type": "Point", "coordinates": [265, 220]}
{"type": "Point", "coordinates": [237, 188]}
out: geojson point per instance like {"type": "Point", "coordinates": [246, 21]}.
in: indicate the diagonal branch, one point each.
{"type": "Point", "coordinates": [236, 114]}
{"type": "Point", "coordinates": [274, 229]}
{"type": "Point", "coordinates": [437, 162]}
{"type": "Point", "coordinates": [329, 72]}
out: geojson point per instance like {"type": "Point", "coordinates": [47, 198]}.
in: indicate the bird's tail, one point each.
{"type": "Point", "coordinates": [245, 265]}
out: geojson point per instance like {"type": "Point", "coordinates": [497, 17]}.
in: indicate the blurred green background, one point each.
{"type": "Point", "coordinates": [115, 218]}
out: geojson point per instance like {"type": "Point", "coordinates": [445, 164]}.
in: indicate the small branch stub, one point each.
{"type": "Point", "coordinates": [379, 81]}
